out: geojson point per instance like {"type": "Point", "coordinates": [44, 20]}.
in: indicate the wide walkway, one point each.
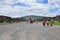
{"type": "Point", "coordinates": [27, 31]}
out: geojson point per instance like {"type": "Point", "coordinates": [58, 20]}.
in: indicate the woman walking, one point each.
{"type": "Point", "coordinates": [48, 23]}
{"type": "Point", "coordinates": [44, 22]}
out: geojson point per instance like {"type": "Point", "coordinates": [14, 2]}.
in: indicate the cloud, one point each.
{"type": "Point", "coordinates": [20, 4]}
{"type": "Point", "coordinates": [53, 10]}
{"type": "Point", "coordinates": [19, 8]}
{"type": "Point", "coordinates": [4, 9]}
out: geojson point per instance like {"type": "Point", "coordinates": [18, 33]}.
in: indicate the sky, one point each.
{"type": "Point", "coordinates": [20, 8]}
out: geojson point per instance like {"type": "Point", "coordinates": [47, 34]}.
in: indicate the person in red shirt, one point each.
{"type": "Point", "coordinates": [44, 22]}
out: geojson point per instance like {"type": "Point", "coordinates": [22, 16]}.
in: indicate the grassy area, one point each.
{"type": "Point", "coordinates": [6, 23]}
{"type": "Point", "coordinates": [9, 23]}
{"type": "Point", "coordinates": [57, 23]}
{"type": "Point", "coordinates": [3, 23]}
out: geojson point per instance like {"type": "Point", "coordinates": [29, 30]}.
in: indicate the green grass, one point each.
{"type": "Point", "coordinates": [57, 23]}
{"type": "Point", "coordinates": [4, 23]}
{"type": "Point", "coordinates": [9, 23]}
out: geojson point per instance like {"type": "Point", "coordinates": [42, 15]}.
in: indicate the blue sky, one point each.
{"type": "Point", "coordinates": [19, 8]}
{"type": "Point", "coordinates": [42, 1]}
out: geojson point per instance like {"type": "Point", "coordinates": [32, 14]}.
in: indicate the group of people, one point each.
{"type": "Point", "coordinates": [32, 21]}
{"type": "Point", "coordinates": [47, 22]}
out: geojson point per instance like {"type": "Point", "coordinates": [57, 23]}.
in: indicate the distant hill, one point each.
{"type": "Point", "coordinates": [58, 15]}
{"type": "Point", "coordinates": [33, 16]}
{"type": "Point", "coordinates": [7, 18]}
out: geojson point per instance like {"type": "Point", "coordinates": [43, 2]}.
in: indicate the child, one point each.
{"type": "Point", "coordinates": [51, 24]}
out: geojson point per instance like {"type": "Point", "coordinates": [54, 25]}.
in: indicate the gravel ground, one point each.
{"type": "Point", "coordinates": [27, 31]}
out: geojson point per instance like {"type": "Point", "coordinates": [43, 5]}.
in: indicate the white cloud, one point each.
{"type": "Point", "coordinates": [35, 9]}
{"type": "Point", "coordinates": [5, 9]}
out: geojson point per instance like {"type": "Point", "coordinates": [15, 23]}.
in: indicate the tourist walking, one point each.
{"type": "Point", "coordinates": [44, 22]}
{"type": "Point", "coordinates": [48, 23]}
